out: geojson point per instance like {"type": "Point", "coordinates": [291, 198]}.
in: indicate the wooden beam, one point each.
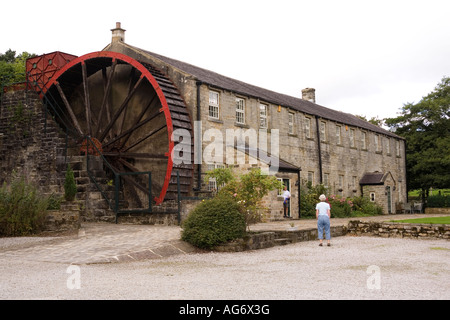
{"type": "Point", "coordinates": [122, 107]}
{"type": "Point", "coordinates": [87, 102]}
{"type": "Point", "coordinates": [69, 109]}
{"type": "Point", "coordinates": [105, 103]}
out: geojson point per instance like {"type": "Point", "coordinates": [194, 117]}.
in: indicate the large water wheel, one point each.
{"type": "Point", "coordinates": [130, 110]}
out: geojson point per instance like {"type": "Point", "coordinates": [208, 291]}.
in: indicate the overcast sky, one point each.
{"type": "Point", "coordinates": [362, 57]}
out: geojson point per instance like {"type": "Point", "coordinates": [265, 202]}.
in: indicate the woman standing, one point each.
{"type": "Point", "coordinates": [323, 214]}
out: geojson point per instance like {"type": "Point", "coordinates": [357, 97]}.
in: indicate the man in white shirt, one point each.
{"type": "Point", "coordinates": [286, 198]}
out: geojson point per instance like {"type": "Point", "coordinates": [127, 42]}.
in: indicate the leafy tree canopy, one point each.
{"type": "Point", "coordinates": [12, 67]}
{"type": "Point", "coordinates": [426, 128]}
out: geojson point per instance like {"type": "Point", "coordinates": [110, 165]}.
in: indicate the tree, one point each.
{"type": "Point", "coordinates": [426, 128]}
{"type": "Point", "coordinates": [248, 189]}
{"type": "Point", "coordinates": [374, 120]}
{"type": "Point", "coordinates": [12, 68]}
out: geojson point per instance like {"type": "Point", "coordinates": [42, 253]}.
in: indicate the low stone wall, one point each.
{"type": "Point", "coordinates": [269, 239]}
{"type": "Point", "coordinates": [399, 230]}
{"type": "Point", "coordinates": [437, 210]}
{"type": "Point", "coordinates": [62, 220]}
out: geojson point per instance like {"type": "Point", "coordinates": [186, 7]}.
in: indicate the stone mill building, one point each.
{"type": "Point", "coordinates": [131, 120]}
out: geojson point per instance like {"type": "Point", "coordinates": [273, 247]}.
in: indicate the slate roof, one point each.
{"type": "Point", "coordinates": [283, 166]}
{"type": "Point", "coordinates": [372, 178]}
{"type": "Point", "coordinates": [220, 81]}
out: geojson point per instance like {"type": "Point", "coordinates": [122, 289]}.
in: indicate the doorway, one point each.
{"type": "Point", "coordinates": [389, 199]}
{"type": "Point", "coordinates": [287, 183]}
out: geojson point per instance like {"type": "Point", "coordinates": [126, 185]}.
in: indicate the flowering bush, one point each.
{"type": "Point", "coordinates": [248, 190]}
{"type": "Point", "coordinates": [340, 206]}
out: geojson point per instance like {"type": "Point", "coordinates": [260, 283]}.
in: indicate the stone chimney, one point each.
{"type": "Point", "coordinates": [309, 94]}
{"type": "Point", "coordinates": [118, 34]}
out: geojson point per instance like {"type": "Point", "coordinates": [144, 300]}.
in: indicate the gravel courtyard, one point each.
{"type": "Point", "coordinates": [352, 268]}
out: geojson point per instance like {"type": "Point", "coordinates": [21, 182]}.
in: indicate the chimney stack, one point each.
{"type": "Point", "coordinates": [118, 34]}
{"type": "Point", "coordinates": [309, 94]}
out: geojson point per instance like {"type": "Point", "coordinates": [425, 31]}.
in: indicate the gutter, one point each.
{"type": "Point", "coordinates": [199, 146]}
{"type": "Point", "coordinates": [319, 149]}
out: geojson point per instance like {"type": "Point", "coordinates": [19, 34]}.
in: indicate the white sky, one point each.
{"type": "Point", "coordinates": [362, 57]}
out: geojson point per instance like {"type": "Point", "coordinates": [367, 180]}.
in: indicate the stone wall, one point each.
{"type": "Point", "coordinates": [30, 145]}
{"type": "Point", "coordinates": [399, 230]}
{"type": "Point", "coordinates": [269, 239]}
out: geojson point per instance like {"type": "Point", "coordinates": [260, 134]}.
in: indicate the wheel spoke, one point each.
{"type": "Point", "coordinates": [120, 110]}
{"type": "Point", "coordinates": [105, 103]}
{"type": "Point", "coordinates": [134, 155]}
{"type": "Point", "coordinates": [130, 88]}
{"type": "Point", "coordinates": [144, 138]}
{"type": "Point", "coordinates": [69, 109]}
{"type": "Point", "coordinates": [87, 102]}
{"type": "Point", "coordinates": [139, 118]}
{"type": "Point", "coordinates": [129, 131]}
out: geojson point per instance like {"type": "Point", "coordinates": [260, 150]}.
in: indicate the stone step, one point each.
{"type": "Point", "coordinates": [282, 241]}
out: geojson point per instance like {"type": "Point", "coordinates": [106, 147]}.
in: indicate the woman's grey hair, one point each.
{"type": "Point", "coordinates": [322, 197]}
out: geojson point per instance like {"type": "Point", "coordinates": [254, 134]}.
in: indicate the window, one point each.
{"type": "Point", "coordinates": [263, 116]}
{"type": "Point", "coordinates": [397, 148]}
{"type": "Point", "coordinates": [323, 131]}
{"type": "Point", "coordinates": [291, 123]}
{"type": "Point", "coordinates": [352, 138]}
{"type": "Point", "coordinates": [308, 128]}
{"type": "Point", "coordinates": [388, 146]}
{"type": "Point", "coordinates": [240, 111]}
{"type": "Point", "coordinates": [363, 140]}
{"type": "Point", "coordinates": [214, 104]}
{"type": "Point", "coordinates": [377, 143]}
{"type": "Point", "coordinates": [338, 135]}
{"type": "Point", "coordinates": [372, 196]}
{"type": "Point", "coordinates": [326, 179]}
{"type": "Point", "coordinates": [311, 177]}
{"type": "Point", "coordinates": [341, 185]}
{"type": "Point", "coordinates": [212, 184]}
{"type": "Point", "coordinates": [280, 191]}
{"type": "Point", "coordinates": [341, 182]}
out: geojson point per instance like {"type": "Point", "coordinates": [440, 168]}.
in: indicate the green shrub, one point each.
{"type": "Point", "coordinates": [362, 206]}
{"type": "Point", "coordinates": [214, 222]}
{"type": "Point", "coordinates": [340, 207]}
{"type": "Point", "coordinates": [70, 188]}
{"type": "Point", "coordinates": [438, 201]}
{"type": "Point", "coordinates": [54, 202]}
{"type": "Point", "coordinates": [22, 208]}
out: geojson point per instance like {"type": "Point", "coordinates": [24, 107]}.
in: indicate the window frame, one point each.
{"type": "Point", "coordinates": [363, 140]}
{"type": "Point", "coordinates": [212, 183]}
{"type": "Point", "coordinates": [308, 127]}
{"type": "Point", "coordinates": [240, 102]}
{"type": "Point", "coordinates": [214, 107]}
{"type": "Point", "coordinates": [291, 117]}
{"type": "Point", "coordinates": [323, 131]}
{"type": "Point", "coordinates": [263, 117]}
{"type": "Point", "coordinates": [352, 138]}
{"type": "Point", "coordinates": [338, 135]}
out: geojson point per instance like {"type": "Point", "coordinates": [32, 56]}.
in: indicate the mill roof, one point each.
{"type": "Point", "coordinates": [220, 81]}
